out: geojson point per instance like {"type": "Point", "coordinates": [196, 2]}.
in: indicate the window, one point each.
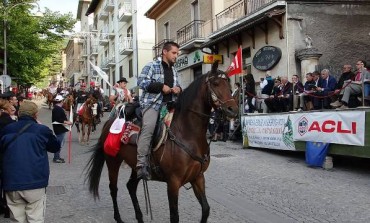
{"type": "Point", "coordinates": [129, 31]}
{"type": "Point", "coordinates": [167, 30]}
{"type": "Point", "coordinates": [121, 71]}
{"type": "Point", "coordinates": [195, 10]}
{"type": "Point", "coordinates": [247, 59]}
{"type": "Point", "coordinates": [130, 68]}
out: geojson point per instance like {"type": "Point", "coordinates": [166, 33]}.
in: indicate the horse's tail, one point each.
{"type": "Point", "coordinates": [94, 167]}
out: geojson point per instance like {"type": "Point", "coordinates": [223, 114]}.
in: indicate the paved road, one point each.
{"type": "Point", "coordinates": [261, 186]}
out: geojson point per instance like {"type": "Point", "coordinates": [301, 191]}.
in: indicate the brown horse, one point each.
{"type": "Point", "coordinates": [184, 156]}
{"type": "Point", "coordinates": [86, 119]}
{"type": "Point", "coordinates": [68, 102]}
{"type": "Point", "coordinates": [50, 99]}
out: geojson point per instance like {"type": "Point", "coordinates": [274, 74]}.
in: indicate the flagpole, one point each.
{"type": "Point", "coordinates": [70, 135]}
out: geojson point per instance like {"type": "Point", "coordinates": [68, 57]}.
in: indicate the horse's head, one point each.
{"type": "Point", "coordinates": [90, 102]}
{"type": "Point", "coordinates": [220, 91]}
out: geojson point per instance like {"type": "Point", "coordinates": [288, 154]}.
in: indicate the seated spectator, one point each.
{"type": "Point", "coordinates": [346, 75]}
{"type": "Point", "coordinates": [321, 98]}
{"type": "Point", "coordinates": [367, 87]}
{"type": "Point", "coordinates": [304, 98]}
{"type": "Point", "coordinates": [297, 89]}
{"type": "Point", "coordinates": [266, 85]}
{"type": "Point", "coordinates": [279, 100]}
{"type": "Point", "coordinates": [354, 87]}
{"type": "Point", "coordinates": [250, 93]}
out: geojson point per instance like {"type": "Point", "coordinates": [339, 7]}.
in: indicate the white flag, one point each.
{"type": "Point", "coordinates": [101, 73]}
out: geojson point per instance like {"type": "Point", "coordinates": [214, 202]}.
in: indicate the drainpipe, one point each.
{"type": "Point", "coordinates": [116, 41]}
{"type": "Point", "coordinates": [287, 38]}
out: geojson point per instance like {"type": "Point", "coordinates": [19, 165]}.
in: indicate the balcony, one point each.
{"type": "Point", "coordinates": [239, 10]}
{"type": "Point", "coordinates": [104, 39]}
{"type": "Point", "coordinates": [108, 5]}
{"type": "Point", "coordinates": [111, 62]}
{"type": "Point", "coordinates": [103, 16]}
{"type": "Point", "coordinates": [105, 31]}
{"type": "Point", "coordinates": [104, 64]}
{"type": "Point", "coordinates": [94, 51]}
{"type": "Point", "coordinates": [125, 46]}
{"type": "Point", "coordinates": [157, 49]}
{"type": "Point", "coordinates": [125, 12]}
{"type": "Point", "coordinates": [191, 35]}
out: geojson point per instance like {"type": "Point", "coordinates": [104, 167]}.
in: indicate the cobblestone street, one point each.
{"type": "Point", "coordinates": [243, 185]}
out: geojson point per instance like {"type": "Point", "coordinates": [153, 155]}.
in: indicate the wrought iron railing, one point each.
{"type": "Point", "coordinates": [125, 43]}
{"type": "Point", "coordinates": [193, 30]}
{"type": "Point", "coordinates": [239, 10]}
{"type": "Point", "coordinates": [157, 49]}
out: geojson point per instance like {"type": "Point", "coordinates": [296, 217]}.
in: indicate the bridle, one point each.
{"type": "Point", "coordinates": [213, 98]}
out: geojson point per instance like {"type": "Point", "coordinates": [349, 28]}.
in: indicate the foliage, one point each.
{"type": "Point", "coordinates": [34, 43]}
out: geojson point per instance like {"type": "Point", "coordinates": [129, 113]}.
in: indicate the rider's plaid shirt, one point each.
{"type": "Point", "coordinates": [153, 72]}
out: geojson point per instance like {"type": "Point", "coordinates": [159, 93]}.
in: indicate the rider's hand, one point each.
{"type": "Point", "coordinates": [166, 89]}
{"type": "Point", "coordinates": [176, 90]}
{"type": "Point", "coordinates": [68, 123]}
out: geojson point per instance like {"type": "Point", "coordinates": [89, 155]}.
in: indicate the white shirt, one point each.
{"type": "Point", "coordinates": [120, 93]}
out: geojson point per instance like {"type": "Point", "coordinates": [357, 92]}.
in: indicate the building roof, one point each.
{"type": "Point", "coordinates": [158, 8]}
{"type": "Point", "coordinates": [79, 9]}
{"type": "Point", "coordinates": [92, 7]}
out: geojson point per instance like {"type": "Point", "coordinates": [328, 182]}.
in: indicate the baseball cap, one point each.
{"type": "Point", "coordinates": [59, 98]}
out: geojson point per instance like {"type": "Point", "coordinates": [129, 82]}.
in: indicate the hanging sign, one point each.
{"type": "Point", "coordinates": [266, 58]}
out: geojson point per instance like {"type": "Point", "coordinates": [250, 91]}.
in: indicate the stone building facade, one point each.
{"type": "Point", "coordinates": [271, 32]}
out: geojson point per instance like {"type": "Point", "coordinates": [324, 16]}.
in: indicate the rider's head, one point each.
{"type": "Point", "coordinates": [170, 52]}
{"type": "Point", "coordinates": [122, 82]}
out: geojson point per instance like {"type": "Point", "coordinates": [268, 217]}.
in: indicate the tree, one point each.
{"type": "Point", "coordinates": [34, 43]}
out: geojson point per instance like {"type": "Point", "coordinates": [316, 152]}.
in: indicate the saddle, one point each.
{"type": "Point", "coordinates": [133, 125]}
{"type": "Point", "coordinates": [128, 125]}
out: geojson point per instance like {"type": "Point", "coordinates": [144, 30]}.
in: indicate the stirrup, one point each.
{"type": "Point", "coordinates": [143, 172]}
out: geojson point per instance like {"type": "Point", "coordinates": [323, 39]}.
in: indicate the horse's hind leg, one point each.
{"type": "Point", "coordinates": [173, 200]}
{"type": "Point", "coordinates": [113, 165]}
{"type": "Point", "coordinates": [199, 191]}
{"type": "Point", "coordinates": [132, 189]}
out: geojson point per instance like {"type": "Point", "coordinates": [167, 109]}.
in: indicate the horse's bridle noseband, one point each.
{"type": "Point", "coordinates": [216, 101]}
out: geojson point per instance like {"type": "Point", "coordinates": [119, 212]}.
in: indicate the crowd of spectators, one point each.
{"type": "Point", "coordinates": [321, 90]}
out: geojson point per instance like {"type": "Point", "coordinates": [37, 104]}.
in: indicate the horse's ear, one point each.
{"type": "Point", "coordinates": [214, 67]}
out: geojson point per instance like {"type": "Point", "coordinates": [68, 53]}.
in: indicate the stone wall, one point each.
{"type": "Point", "coordinates": [339, 31]}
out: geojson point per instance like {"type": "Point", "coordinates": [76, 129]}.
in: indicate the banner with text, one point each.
{"type": "Point", "coordinates": [274, 132]}
{"type": "Point", "coordinates": [347, 127]}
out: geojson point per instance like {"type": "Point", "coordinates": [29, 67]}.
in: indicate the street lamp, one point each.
{"type": "Point", "coordinates": [6, 10]}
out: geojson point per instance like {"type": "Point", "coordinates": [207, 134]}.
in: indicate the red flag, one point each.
{"type": "Point", "coordinates": [236, 65]}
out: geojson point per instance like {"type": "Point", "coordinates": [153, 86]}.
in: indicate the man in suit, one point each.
{"type": "Point", "coordinates": [325, 87]}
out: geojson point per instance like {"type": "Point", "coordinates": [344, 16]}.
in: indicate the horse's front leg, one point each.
{"type": "Point", "coordinates": [173, 199]}
{"type": "Point", "coordinates": [199, 190]}
{"type": "Point", "coordinates": [88, 133]}
{"type": "Point", "coordinates": [132, 189]}
{"type": "Point", "coordinates": [82, 132]}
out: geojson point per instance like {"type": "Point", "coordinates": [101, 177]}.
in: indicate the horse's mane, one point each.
{"type": "Point", "coordinates": [186, 98]}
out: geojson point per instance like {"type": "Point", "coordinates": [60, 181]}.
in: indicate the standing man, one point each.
{"type": "Point", "coordinates": [25, 164]}
{"type": "Point", "coordinates": [159, 82]}
{"type": "Point", "coordinates": [58, 115]}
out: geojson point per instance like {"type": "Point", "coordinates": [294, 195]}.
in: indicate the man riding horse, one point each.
{"type": "Point", "coordinates": [81, 97]}
{"type": "Point", "coordinates": [97, 93]}
{"type": "Point", "coordinates": [119, 96]}
{"type": "Point", "coordinates": [160, 84]}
